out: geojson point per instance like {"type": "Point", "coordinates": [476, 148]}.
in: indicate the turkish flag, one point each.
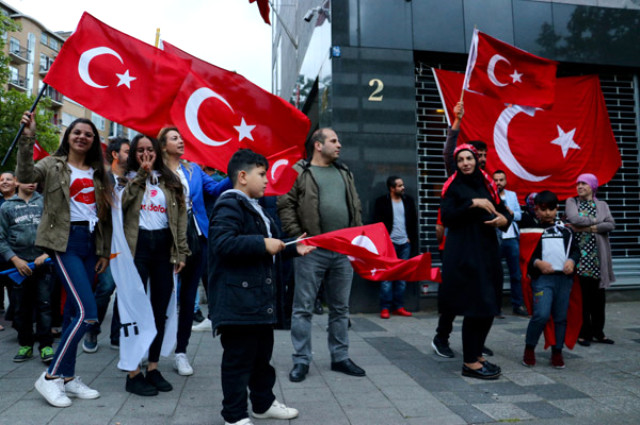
{"type": "Point", "coordinates": [219, 112]}
{"type": "Point", "coordinates": [372, 254]}
{"type": "Point", "coordinates": [39, 152]}
{"type": "Point", "coordinates": [281, 174]}
{"type": "Point", "coordinates": [117, 76]}
{"type": "Point", "coordinates": [540, 149]}
{"type": "Point", "coordinates": [529, 239]}
{"type": "Point", "coordinates": [263, 6]}
{"type": "Point", "coordinates": [510, 74]}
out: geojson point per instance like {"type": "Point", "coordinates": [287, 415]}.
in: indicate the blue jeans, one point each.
{"type": "Point", "coordinates": [334, 270]}
{"type": "Point", "coordinates": [392, 293]}
{"type": "Point", "coordinates": [550, 298]}
{"type": "Point", "coordinates": [76, 269]}
{"type": "Point", "coordinates": [510, 251]}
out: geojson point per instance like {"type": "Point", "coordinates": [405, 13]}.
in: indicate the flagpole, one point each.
{"type": "Point", "coordinates": [21, 129]}
{"type": "Point", "coordinates": [157, 37]}
{"type": "Point", "coordinates": [297, 240]}
{"type": "Point", "coordinates": [471, 60]}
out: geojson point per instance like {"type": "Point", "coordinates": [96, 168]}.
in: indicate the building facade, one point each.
{"type": "Point", "coordinates": [363, 67]}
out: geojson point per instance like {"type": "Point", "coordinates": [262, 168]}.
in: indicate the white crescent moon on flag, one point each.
{"type": "Point", "coordinates": [85, 61]}
{"type": "Point", "coordinates": [277, 164]}
{"type": "Point", "coordinates": [501, 143]}
{"type": "Point", "coordinates": [364, 242]}
{"type": "Point", "coordinates": [191, 114]}
{"type": "Point", "coordinates": [491, 69]}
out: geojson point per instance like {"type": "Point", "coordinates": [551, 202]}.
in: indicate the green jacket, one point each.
{"type": "Point", "coordinates": [55, 176]}
{"type": "Point", "coordinates": [299, 210]}
{"type": "Point", "coordinates": [176, 214]}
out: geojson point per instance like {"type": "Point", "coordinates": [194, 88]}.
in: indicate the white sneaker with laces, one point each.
{"type": "Point", "coordinates": [277, 411]}
{"type": "Point", "coordinates": [204, 326]}
{"type": "Point", "coordinates": [181, 364]}
{"type": "Point", "coordinates": [77, 388]}
{"type": "Point", "coordinates": [245, 421]}
{"type": "Point", "coordinates": [53, 391]}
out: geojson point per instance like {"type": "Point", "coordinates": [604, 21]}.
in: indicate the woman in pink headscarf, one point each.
{"type": "Point", "coordinates": [592, 221]}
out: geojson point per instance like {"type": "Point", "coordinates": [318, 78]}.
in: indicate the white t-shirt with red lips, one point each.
{"type": "Point", "coordinates": [82, 195]}
{"type": "Point", "coordinates": [153, 210]}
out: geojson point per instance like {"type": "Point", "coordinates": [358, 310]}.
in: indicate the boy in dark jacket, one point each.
{"type": "Point", "coordinates": [19, 220]}
{"type": "Point", "coordinates": [245, 257]}
{"type": "Point", "coordinates": [551, 268]}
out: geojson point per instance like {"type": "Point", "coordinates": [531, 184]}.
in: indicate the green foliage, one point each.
{"type": "Point", "coordinates": [6, 25]}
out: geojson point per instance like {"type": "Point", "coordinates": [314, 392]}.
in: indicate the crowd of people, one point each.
{"type": "Point", "coordinates": [180, 221]}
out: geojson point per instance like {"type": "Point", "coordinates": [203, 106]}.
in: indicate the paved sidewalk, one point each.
{"type": "Point", "coordinates": [405, 383]}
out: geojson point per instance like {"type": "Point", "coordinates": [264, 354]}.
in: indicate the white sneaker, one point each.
{"type": "Point", "coordinates": [204, 326]}
{"type": "Point", "coordinates": [77, 388]}
{"type": "Point", "coordinates": [245, 421]}
{"type": "Point", "coordinates": [53, 391]}
{"type": "Point", "coordinates": [277, 411]}
{"type": "Point", "coordinates": [181, 364]}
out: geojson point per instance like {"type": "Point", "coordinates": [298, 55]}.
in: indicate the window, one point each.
{"type": "Point", "coordinates": [43, 38]}
{"type": "Point", "coordinates": [14, 77]}
{"type": "Point", "coordinates": [44, 62]}
{"type": "Point", "coordinates": [14, 45]}
{"type": "Point", "coordinates": [67, 119]}
{"type": "Point", "coordinates": [98, 121]}
{"type": "Point", "coordinates": [54, 44]}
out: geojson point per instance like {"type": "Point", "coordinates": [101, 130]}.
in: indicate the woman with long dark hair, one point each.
{"type": "Point", "coordinates": [155, 221]}
{"type": "Point", "coordinates": [471, 270]}
{"type": "Point", "coordinates": [75, 229]}
{"type": "Point", "coordinates": [194, 182]}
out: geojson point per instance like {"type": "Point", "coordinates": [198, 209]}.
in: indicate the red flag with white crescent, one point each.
{"type": "Point", "coordinates": [509, 74]}
{"type": "Point", "coordinates": [39, 152]}
{"type": "Point", "coordinates": [540, 149]}
{"type": "Point", "coordinates": [281, 174]}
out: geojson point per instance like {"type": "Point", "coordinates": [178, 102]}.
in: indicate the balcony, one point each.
{"type": "Point", "coordinates": [17, 54]}
{"type": "Point", "coordinates": [55, 96]}
{"type": "Point", "coordinates": [18, 82]}
{"type": "Point", "coordinates": [43, 70]}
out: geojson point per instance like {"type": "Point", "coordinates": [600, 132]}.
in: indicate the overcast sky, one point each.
{"type": "Point", "coordinates": [227, 33]}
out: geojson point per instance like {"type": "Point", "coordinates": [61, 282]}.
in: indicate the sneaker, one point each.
{"type": "Point", "coordinates": [181, 364]}
{"type": "Point", "coordinates": [24, 353]}
{"type": "Point", "coordinates": [245, 421]}
{"type": "Point", "coordinates": [46, 354]}
{"type": "Point", "coordinates": [53, 391]}
{"type": "Point", "coordinates": [139, 386]}
{"type": "Point", "coordinates": [198, 316]}
{"type": "Point", "coordinates": [529, 357]}
{"type": "Point", "coordinates": [155, 378]}
{"type": "Point", "coordinates": [402, 312]}
{"type": "Point", "coordinates": [442, 348]}
{"type": "Point", "coordinates": [77, 388]}
{"type": "Point", "coordinates": [277, 411]}
{"type": "Point", "coordinates": [90, 343]}
{"type": "Point", "coordinates": [115, 345]}
{"type": "Point", "coordinates": [557, 360]}
{"type": "Point", "coordinates": [204, 326]}
{"type": "Point", "coordinates": [384, 314]}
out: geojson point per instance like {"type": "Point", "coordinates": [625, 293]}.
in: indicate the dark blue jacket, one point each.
{"type": "Point", "coordinates": [199, 181]}
{"type": "Point", "coordinates": [244, 280]}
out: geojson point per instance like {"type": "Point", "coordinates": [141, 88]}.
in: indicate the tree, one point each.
{"type": "Point", "coordinates": [13, 104]}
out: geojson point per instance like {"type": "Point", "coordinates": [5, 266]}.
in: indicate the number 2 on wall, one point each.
{"type": "Point", "coordinates": [376, 96]}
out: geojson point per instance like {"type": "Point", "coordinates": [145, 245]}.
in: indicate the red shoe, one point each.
{"type": "Point", "coordinates": [384, 314]}
{"type": "Point", "coordinates": [557, 360]}
{"type": "Point", "coordinates": [529, 358]}
{"type": "Point", "coordinates": [402, 312]}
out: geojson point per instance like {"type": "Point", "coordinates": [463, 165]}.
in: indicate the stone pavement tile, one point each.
{"type": "Point", "coordinates": [313, 380]}
{"type": "Point", "coordinates": [314, 413]}
{"type": "Point", "coordinates": [17, 385]}
{"type": "Point", "coordinates": [198, 392]}
{"type": "Point", "coordinates": [431, 383]}
{"type": "Point", "coordinates": [33, 411]}
{"type": "Point", "coordinates": [405, 392]}
{"type": "Point", "coordinates": [519, 398]}
{"type": "Point", "coordinates": [583, 407]}
{"type": "Point", "coordinates": [385, 370]}
{"type": "Point", "coordinates": [373, 400]}
{"type": "Point", "coordinates": [369, 360]}
{"type": "Point", "coordinates": [319, 394]}
{"type": "Point", "coordinates": [556, 391]}
{"type": "Point", "coordinates": [108, 383]}
{"type": "Point", "coordinates": [422, 408]}
{"type": "Point", "coordinates": [473, 396]}
{"type": "Point", "coordinates": [449, 398]}
{"type": "Point", "coordinates": [398, 378]}
{"type": "Point", "coordinates": [344, 384]}
{"type": "Point", "coordinates": [470, 414]}
{"type": "Point", "coordinates": [624, 404]}
{"type": "Point", "coordinates": [500, 388]}
{"type": "Point", "coordinates": [362, 324]}
{"type": "Point", "coordinates": [542, 409]}
{"type": "Point", "coordinates": [504, 412]}
{"type": "Point", "coordinates": [448, 419]}
{"type": "Point", "coordinates": [7, 399]}
{"type": "Point", "coordinates": [529, 378]}
{"type": "Point", "coordinates": [93, 411]}
{"type": "Point", "coordinates": [368, 416]}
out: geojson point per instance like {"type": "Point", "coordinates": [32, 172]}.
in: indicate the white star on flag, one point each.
{"type": "Point", "coordinates": [244, 130]}
{"type": "Point", "coordinates": [565, 141]}
{"type": "Point", "coordinates": [516, 76]}
{"type": "Point", "coordinates": [125, 79]}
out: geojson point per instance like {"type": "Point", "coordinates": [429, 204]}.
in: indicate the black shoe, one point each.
{"type": "Point", "coordinates": [299, 372]}
{"type": "Point", "coordinates": [584, 342]}
{"type": "Point", "coordinates": [486, 351]}
{"type": "Point", "coordinates": [348, 367]}
{"type": "Point", "coordinates": [483, 373]}
{"type": "Point", "coordinates": [317, 308]}
{"type": "Point", "coordinates": [442, 348]}
{"type": "Point", "coordinates": [521, 311]}
{"type": "Point", "coordinates": [198, 316]}
{"type": "Point", "coordinates": [139, 386]}
{"type": "Point", "coordinates": [155, 378]}
{"type": "Point", "coordinates": [491, 367]}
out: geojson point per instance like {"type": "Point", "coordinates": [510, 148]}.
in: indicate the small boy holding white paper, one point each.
{"type": "Point", "coordinates": [551, 268]}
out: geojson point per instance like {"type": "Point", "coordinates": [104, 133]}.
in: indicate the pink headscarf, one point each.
{"type": "Point", "coordinates": [589, 179]}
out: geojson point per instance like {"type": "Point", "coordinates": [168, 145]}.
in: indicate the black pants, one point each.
{"type": "Point", "coordinates": [474, 335]}
{"type": "Point", "coordinates": [189, 280]}
{"type": "Point", "coordinates": [32, 299]}
{"type": "Point", "coordinates": [245, 363]}
{"type": "Point", "coordinates": [445, 326]}
{"type": "Point", "coordinates": [152, 260]}
{"type": "Point", "coordinates": [593, 300]}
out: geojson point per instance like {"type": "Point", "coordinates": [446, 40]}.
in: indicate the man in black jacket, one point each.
{"type": "Point", "coordinates": [398, 213]}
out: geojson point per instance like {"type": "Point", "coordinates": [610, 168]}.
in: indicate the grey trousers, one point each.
{"type": "Point", "coordinates": [334, 270]}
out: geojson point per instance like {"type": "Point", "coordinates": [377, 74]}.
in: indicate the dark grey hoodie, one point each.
{"type": "Point", "coordinates": [19, 222]}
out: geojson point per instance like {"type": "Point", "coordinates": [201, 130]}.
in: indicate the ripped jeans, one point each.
{"type": "Point", "coordinates": [76, 269]}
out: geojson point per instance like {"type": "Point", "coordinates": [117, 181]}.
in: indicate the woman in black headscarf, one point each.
{"type": "Point", "coordinates": [471, 271]}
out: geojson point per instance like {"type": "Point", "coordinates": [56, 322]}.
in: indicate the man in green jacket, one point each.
{"type": "Point", "coordinates": [323, 199]}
